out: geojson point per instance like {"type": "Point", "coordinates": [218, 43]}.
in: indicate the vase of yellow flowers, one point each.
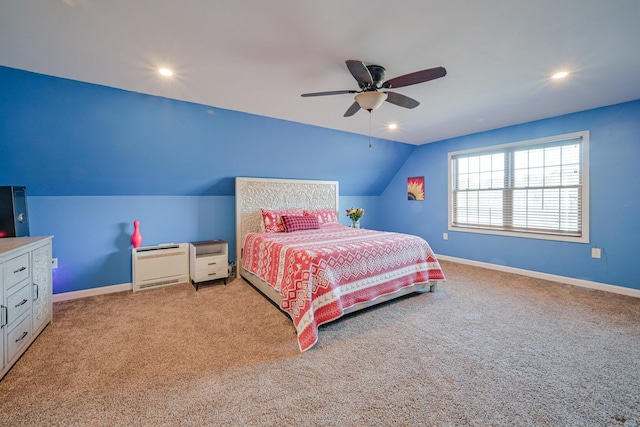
{"type": "Point", "coordinates": [355, 214]}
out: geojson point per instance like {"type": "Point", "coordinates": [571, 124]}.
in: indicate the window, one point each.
{"type": "Point", "coordinates": [536, 188]}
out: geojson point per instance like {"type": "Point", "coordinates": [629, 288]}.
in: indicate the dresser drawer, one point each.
{"type": "Point", "coordinates": [211, 263]}
{"type": "Point", "coordinates": [18, 337]}
{"type": "Point", "coordinates": [211, 274]}
{"type": "Point", "coordinates": [18, 303]}
{"type": "Point", "coordinates": [16, 270]}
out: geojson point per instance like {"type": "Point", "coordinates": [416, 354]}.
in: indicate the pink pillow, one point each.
{"type": "Point", "coordinates": [324, 215]}
{"type": "Point", "coordinates": [299, 222]}
{"type": "Point", "coordinates": [272, 219]}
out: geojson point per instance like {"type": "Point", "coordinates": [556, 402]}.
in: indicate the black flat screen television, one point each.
{"type": "Point", "coordinates": [14, 219]}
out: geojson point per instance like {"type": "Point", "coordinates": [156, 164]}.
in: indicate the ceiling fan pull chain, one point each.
{"type": "Point", "coordinates": [369, 129]}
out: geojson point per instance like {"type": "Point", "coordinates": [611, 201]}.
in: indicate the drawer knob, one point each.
{"type": "Point", "coordinates": [21, 303]}
{"type": "Point", "coordinates": [24, 334]}
{"type": "Point", "coordinates": [212, 263]}
{"type": "Point", "coordinates": [23, 268]}
{"type": "Point", "coordinates": [212, 274]}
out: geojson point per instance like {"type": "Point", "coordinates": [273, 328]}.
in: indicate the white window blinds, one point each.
{"type": "Point", "coordinates": [533, 188]}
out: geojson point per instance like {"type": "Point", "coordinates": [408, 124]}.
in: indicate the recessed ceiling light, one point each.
{"type": "Point", "coordinates": [392, 126]}
{"type": "Point", "coordinates": [165, 72]}
{"type": "Point", "coordinates": [560, 75]}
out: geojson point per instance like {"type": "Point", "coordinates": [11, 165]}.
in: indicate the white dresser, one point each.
{"type": "Point", "coordinates": [26, 295]}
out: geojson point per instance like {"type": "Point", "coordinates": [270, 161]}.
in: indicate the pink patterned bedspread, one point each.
{"type": "Point", "coordinates": [320, 273]}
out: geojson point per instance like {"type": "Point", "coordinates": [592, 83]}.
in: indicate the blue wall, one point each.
{"type": "Point", "coordinates": [92, 234]}
{"type": "Point", "coordinates": [614, 200]}
{"type": "Point", "coordinates": [85, 139]}
{"type": "Point", "coordinates": [95, 158]}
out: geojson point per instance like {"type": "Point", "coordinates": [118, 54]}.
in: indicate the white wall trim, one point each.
{"type": "Point", "coordinates": [545, 276]}
{"type": "Point", "coordinates": [552, 277]}
{"type": "Point", "coordinates": [92, 292]}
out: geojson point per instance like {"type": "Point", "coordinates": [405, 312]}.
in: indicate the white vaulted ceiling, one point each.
{"type": "Point", "coordinates": [259, 56]}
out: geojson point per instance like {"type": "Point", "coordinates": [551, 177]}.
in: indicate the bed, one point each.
{"type": "Point", "coordinates": [322, 270]}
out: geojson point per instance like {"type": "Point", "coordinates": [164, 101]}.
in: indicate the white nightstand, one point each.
{"type": "Point", "coordinates": [208, 261]}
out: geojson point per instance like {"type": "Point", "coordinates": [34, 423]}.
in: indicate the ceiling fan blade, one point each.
{"type": "Point", "coordinates": [415, 78]}
{"type": "Point", "coordinates": [401, 100]}
{"type": "Point", "coordinates": [333, 92]}
{"type": "Point", "coordinates": [359, 71]}
{"type": "Point", "coordinates": [352, 110]}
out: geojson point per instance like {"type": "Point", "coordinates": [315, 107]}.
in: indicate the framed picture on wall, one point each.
{"type": "Point", "coordinates": [415, 188]}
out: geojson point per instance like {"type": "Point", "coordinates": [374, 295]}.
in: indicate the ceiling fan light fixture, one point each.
{"type": "Point", "coordinates": [370, 100]}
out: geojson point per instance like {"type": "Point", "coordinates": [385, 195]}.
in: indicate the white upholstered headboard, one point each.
{"type": "Point", "coordinates": [270, 193]}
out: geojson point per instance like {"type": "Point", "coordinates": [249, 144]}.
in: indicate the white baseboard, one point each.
{"type": "Point", "coordinates": [552, 277]}
{"type": "Point", "coordinates": [545, 276]}
{"type": "Point", "coordinates": [92, 292]}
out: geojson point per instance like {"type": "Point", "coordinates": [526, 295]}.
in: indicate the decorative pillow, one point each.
{"type": "Point", "coordinates": [299, 222]}
{"type": "Point", "coordinates": [324, 215]}
{"type": "Point", "coordinates": [272, 219]}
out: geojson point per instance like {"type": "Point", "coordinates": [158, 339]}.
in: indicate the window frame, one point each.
{"type": "Point", "coordinates": [532, 143]}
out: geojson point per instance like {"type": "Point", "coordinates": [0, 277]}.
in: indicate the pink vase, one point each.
{"type": "Point", "coordinates": [136, 238]}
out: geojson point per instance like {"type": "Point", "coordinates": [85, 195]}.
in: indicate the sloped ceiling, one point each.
{"type": "Point", "coordinates": [259, 56]}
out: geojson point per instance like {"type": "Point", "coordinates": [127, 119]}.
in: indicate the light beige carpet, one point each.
{"type": "Point", "coordinates": [487, 348]}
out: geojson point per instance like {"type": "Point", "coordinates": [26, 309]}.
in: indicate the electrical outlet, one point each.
{"type": "Point", "coordinates": [596, 252]}
{"type": "Point", "coordinates": [54, 263]}
{"type": "Point", "coordinates": [445, 236]}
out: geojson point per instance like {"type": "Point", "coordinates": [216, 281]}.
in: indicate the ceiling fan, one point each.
{"type": "Point", "coordinates": [369, 78]}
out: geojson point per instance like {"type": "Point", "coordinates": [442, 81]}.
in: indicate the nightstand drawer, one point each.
{"type": "Point", "coordinates": [18, 303]}
{"type": "Point", "coordinates": [18, 337]}
{"type": "Point", "coordinates": [210, 263]}
{"type": "Point", "coordinates": [211, 274]}
{"type": "Point", "coordinates": [16, 270]}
